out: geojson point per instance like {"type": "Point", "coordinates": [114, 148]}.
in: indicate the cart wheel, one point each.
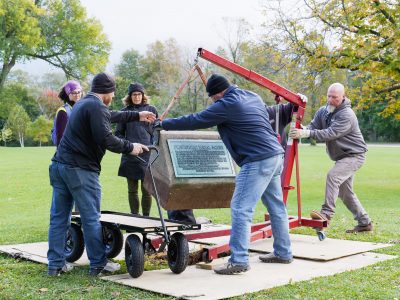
{"type": "Point", "coordinates": [74, 244]}
{"type": "Point", "coordinates": [134, 256]}
{"type": "Point", "coordinates": [178, 253]}
{"type": "Point", "coordinates": [321, 235]}
{"type": "Point", "coordinates": [204, 257]}
{"type": "Point", "coordinates": [113, 239]}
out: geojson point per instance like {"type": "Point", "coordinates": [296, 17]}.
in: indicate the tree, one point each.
{"type": "Point", "coordinates": [18, 121]}
{"type": "Point", "coordinates": [163, 71]}
{"type": "Point", "coordinates": [56, 31]}
{"type": "Point", "coordinates": [236, 34]}
{"type": "Point", "coordinates": [129, 70]}
{"type": "Point", "coordinates": [40, 129]}
{"type": "Point", "coordinates": [6, 134]}
{"type": "Point", "coordinates": [17, 93]}
{"type": "Point", "coordinates": [355, 35]}
{"type": "Point", "coordinates": [48, 103]}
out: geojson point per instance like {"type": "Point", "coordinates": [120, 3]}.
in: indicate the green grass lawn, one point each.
{"type": "Point", "coordinates": [25, 196]}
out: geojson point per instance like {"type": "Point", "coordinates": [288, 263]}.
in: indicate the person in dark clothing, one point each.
{"type": "Point", "coordinates": [242, 122]}
{"type": "Point", "coordinates": [139, 132]}
{"type": "Point", "coordinates": [282, 113]}
{"type": "Point", "coordinates": [74, 175]}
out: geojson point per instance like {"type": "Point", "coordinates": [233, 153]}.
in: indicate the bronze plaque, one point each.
{"type": "Point", "coordinates": [200, 158]}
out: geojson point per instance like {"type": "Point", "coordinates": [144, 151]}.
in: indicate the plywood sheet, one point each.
{"type": "Point", "coordinates": [195, 283]}
{"type": "Point", "coordinates": [309, 247]}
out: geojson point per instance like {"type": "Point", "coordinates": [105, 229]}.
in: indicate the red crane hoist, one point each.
{"type": "Point", "coordinates": [260, 230]}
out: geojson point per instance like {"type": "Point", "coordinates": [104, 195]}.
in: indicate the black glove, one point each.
{"type": "Point", "coordinates": [157, 125]}
{"type": "Point", "coordinates": [155, 131]}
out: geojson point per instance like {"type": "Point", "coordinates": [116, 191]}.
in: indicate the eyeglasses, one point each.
{"type": "Point", "coordinates": [76, 93]}
{"type": "Point", "coordinates": [136, 94]}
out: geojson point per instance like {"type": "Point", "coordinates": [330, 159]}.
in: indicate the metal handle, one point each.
{"type": "Point", "coordinates": [151, 147]}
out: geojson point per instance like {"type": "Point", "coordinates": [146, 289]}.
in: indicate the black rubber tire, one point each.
{"type": "Point", "coordinates": [321, 235]}
{"type": "Point", "coordinates": [178, 253]}
{"type": "Point", "coordinates": [113, 239]}
{"type": "Point", "coordinates": [134, 256]}
{"type": "Point", "coordinates": [74, 244]}
{"type": "Point", "coordinates": [204, 257]}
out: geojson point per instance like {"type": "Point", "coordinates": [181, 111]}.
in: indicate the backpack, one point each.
{"type": "Point", "coordinates": [67, 108]}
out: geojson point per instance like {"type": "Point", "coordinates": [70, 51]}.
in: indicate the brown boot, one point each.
{"type": "Point", "coordinates": [317, 215]}
{"type": "Point", "coordinates": [361, 228]}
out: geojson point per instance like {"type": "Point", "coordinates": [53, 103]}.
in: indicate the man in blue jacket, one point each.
{"type": "Point", "coordinates": [242, 122]}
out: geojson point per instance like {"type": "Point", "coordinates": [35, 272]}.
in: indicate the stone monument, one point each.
{"type": "Point", "coordinates": [194, 170]}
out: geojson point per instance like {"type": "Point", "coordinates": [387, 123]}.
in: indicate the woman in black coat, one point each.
{"type": "Point", "coordinates": [136, 132]}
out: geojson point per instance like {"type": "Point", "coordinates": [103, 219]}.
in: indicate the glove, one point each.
{"type": "Point", "coordinates": [303, 97]}
{"type": "Point", "coordinates": [138, 149]}
{"type": "Point", "coordinates": [296, 133]}
{"type": "Point", "coordinates": [147, 116]}
{"type": "Point", "coordinates": [157, 125]}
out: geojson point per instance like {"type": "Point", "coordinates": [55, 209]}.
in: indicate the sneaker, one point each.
{"type": "Point", "coordinates": [231, 269]}
{"type": "Point", "coordinates": [57, 272]}
{"type": "Point", "coordinates": [271, 258]}
{"type": "Point", "coordinates": [109, 268]}
{"type": "Point", "coordinates": [361, 228]}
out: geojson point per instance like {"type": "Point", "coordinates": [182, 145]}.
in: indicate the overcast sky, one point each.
{"type": "Point", "coordinates": [135, 24]}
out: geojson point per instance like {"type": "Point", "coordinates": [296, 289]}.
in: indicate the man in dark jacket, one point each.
{"type": "Point", "coordinates": [74, 175]}
{"type": "Point", "coordinates": [279, 116]}
{"type": "Point", "coordinates": [336, 124]}
{"type": "Point", "coordinates": [242, 122]}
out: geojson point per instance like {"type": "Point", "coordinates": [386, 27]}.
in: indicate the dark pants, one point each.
{"type": "Point", "coordinates": [133, 196]}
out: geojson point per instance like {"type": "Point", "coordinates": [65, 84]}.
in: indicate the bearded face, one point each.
{"type": "Point", "coordinates": [107, 98]}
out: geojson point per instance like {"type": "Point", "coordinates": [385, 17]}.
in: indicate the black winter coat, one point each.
{"type": "Point", "coordinates": [135, 132]}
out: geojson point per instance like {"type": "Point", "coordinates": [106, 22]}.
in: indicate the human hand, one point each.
{"type": "Point", "coordinates": [296, 133]}
{"type": "Point", "coordinates": [138, 149]}
{"type": "Point", "coordinates": [303, 97]}
{"type": "Point", "coordinates": [147, 116]}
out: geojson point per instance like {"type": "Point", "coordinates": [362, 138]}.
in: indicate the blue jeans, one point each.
{"type": "Point", "coordinates": [72, 184]}
{"type": "Point", "coordinates": [259, 179]}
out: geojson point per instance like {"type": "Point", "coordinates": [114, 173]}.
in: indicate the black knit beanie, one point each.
{"type": "Point", "coordinates": [103, 84]}
{"type": "Point", "coordinates": [216, 84]}
{"type": "Point", "coordinates": [135, 87]}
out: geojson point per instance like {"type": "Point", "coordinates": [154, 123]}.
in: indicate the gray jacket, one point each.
{"type": "Point", "coordinates": [339, 130]}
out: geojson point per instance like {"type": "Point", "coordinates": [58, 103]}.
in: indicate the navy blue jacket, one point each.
{"type": "Point", "coordinates": [242, 122]}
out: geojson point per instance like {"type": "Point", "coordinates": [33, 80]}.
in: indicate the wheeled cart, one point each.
{"type": "Point", "coordinates": [135, 247]}
{"type": "Point", "coordinates": [113, 223]}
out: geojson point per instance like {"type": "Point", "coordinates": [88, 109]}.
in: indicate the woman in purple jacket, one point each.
{"type": "Point", "coordinates": [70, 93]}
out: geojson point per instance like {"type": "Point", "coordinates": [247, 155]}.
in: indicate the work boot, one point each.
{"type": "Point", "coordinates": [57, 272]}
{"type": "Point", "coordinates": [272, 258]}
{"type": "Point", "coordinates": [109, 268]}
{"type": "Point", "coordinates": [231, 269]}
{"type": "Point", "coordinates": [317, 215]}
{"type": "Point", "coordinates": [361, 228]}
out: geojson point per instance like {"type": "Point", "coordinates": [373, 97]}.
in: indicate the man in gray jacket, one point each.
{"type": "Point", "coordinates": [336, 124]}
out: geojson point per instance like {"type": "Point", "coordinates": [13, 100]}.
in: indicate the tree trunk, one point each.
{"type": "Point", "coordinates": [7, 66]}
